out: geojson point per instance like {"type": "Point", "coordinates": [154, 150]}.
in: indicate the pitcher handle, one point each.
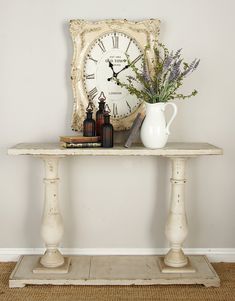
{"type": "Point", "coordinates": [172, 117]}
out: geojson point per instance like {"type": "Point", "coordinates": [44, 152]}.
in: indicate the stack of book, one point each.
{"type": "Point", "coordinates": [79, 141]}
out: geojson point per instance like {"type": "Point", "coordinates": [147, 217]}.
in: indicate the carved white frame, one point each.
{"type": "Point", "coordinates": [83, 33]}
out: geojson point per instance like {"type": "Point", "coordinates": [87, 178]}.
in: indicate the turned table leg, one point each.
{"type": "Point", "coordinates": [52, 228]}
{"type": "Point", "coordinates": [176, 225]}
{"type": "Point", "coordinates": [52, 224]}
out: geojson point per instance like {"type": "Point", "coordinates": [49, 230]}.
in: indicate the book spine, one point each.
{"type": "Point", "coordinates": [80, 145]}
{"type": "Point", "coordinates": [134, 129]}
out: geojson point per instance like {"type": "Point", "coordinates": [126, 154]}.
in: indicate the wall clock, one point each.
{"type": "Point", "coordinates": [101, 49]}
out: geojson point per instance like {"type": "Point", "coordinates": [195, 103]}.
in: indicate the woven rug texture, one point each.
{"type": "Point", "coordinates": [225, 292]}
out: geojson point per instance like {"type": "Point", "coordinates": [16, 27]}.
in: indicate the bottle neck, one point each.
{"type": "Point", "coordinates": [101, 106]}
{"type": "Point", "coordinates": [89, 115]}
{"type": "Point", "coordinates": [106, 119]}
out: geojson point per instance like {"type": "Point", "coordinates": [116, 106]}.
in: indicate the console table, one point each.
{"type": "Point", "coordinates": [173, 268]}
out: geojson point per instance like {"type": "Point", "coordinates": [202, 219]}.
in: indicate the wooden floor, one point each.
{"type": "Point", "coordinates": [226, 292]}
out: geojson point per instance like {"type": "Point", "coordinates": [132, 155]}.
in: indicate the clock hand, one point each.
{"type": "Point", "coordinates": [111, 66]}
{"type": "Point", "coordinates": [136, 60]}
{"type": "Point", "coordinates": [125, 67]}
{"type": "Point", "coordinates": [114, 73]}
{"type": "Point", "coordinates": [132, 63]}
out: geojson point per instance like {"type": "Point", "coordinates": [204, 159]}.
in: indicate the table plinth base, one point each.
{"type": "Point", "coordinates": [113, 270]}
{"type": "Point", "coordinates": [63, 269]}
{"type": "Point", "coordinates": [188, 268]}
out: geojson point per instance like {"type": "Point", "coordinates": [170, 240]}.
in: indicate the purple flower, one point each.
{"type": "Point", "coordinates": [177, 54]}
{"type": "Point", "coordinates": [147, 77]}
{"type": "Point", "coordinates": [175, 72]}
{"type": "Point", "coordinates": [196, 64]}
{"type": "Point", "coordinates": [191, 67]}
{"type": "Point", "coordinates": [167, 62]}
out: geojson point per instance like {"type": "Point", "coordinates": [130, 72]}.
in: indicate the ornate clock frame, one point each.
{"type": "Point", "coordinates": [83, 33]}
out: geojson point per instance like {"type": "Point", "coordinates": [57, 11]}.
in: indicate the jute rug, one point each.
{"type": "Point", "coordinates": [225, 292]}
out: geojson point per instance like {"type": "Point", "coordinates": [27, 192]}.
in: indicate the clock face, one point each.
{"type": "Point", "coordinates": [108, 59]}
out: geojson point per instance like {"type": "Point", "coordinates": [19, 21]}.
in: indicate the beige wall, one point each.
{"type": "Point", "coordinates": [36, 106]}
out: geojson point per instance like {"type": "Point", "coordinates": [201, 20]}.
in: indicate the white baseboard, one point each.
{"type": "Point", "coordinates": [214, 255]}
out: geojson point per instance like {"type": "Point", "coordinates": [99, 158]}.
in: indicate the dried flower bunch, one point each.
{"type": "Point", "coordinates": [167, 73]}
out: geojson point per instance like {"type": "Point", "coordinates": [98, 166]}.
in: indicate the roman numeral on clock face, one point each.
{"type": "Point", "coordinates": [129, 107]}
{"type": "Point", "coordinates": [115, 110]}
{"type": "Point", "coordinates": [115, 40]}
{"type": "Point", "coordinates": [128, 45]}
{"type": "Point", "coordinates": [110, 56]}
{"type": "Point", "coordinates": [90, 76]}
{"type": "Point", "coordinates": [93, 93]}
{"type": "Point", "coordinates": [101, 45]}
{"type": "Point", "coordinates": [91, 58]}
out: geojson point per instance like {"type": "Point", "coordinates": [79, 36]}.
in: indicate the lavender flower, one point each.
{"type": "Point", "coordinates": [175, 72]}
{"type": "Point", "coordinates": [191, 67]}
{"type": "Point", "coordinates": [145, 73]}
{"type": "Point", "coordinates": [147, 77]}
{"type": "Point", "coordinates": [196, 64]}
{"type": "Point", "coordinates": [167, 62]}
{"type": "Point", "coordinates": [177, 54]}
{"type": "Point", "coordinates": [167, 74]}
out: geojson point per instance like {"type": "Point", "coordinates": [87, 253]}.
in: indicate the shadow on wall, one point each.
{"type": "Point", "coordinates": [35, 201]}
{"type": "Point", "coordinates": [161, 204]}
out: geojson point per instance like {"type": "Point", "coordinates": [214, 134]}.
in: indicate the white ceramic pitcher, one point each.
{"type": "Point", "coordinates": [155, 131]}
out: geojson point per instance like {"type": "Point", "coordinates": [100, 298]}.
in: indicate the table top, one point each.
{"type": "Point", "coordinates": [171, 149]}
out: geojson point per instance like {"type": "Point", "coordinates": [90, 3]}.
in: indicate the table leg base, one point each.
{"type": "Point", "coordinates": [113, 270]}
{"type": "Point", "coordinates": [188, 268]}
{"type": "Point", "coordinates": [62, 269]}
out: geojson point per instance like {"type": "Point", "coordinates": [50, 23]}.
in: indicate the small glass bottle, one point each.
{"type": "Point", "coordinates": [89, 123]}
{"type": "Point", "coordinates": [100, 114]}
{"type": "Point", "coordinates": [107, 130]}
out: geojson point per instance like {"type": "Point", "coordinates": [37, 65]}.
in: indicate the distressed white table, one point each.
{"type": "Point", "coordinates": [174, 268]}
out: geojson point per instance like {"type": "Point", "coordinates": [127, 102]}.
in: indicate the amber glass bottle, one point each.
{"type": "Point", "coordinates": [100, 114]}
{"type": "Point", "coordinates": [89, 125]}
{"type": "Point", "coordinates": [107, 132]}
{"type": "Point", "coordinates": [99, 118]}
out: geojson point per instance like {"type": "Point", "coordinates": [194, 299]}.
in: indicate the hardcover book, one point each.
{"type": "Point", "coordinates": [79, 139]}
{"type": "Point", "coordinates": [80, 144]}
{"type": "Point", "coordinates": [134, 130]}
